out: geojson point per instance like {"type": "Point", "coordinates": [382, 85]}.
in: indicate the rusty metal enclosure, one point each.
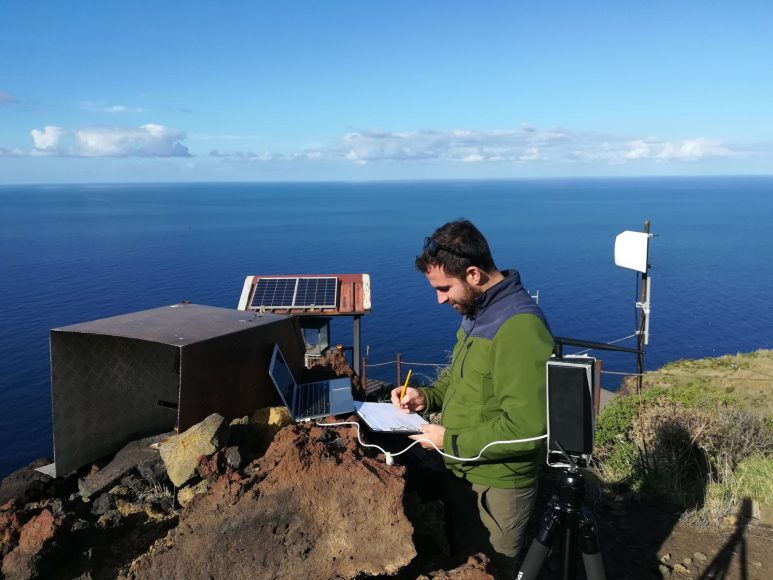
{"type": "Point", "coordinates": [118, 379]}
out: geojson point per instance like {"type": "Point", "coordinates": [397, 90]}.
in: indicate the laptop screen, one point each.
{"type": "Point", "coordinates": [282, 376]}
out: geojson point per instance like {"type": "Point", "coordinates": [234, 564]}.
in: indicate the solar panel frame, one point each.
{"type": "Point", "coordinates": [302, 292]}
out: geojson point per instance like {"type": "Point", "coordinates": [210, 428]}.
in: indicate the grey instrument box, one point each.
{"type": "Point", "coordinates": [118, 379]}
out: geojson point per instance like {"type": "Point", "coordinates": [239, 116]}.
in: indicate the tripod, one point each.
{"type": "Point", "coordinates": [566, 511]}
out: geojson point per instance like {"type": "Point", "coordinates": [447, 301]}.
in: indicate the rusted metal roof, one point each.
{"type": "Point", "coordinates": [352, 295]}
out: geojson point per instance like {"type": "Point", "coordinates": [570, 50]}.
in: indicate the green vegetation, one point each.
{"type": "Point", "coordinates": [700, 434]}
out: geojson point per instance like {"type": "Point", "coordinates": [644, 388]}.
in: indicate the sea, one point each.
{"type": "Point", "coordinates": [74, 253]}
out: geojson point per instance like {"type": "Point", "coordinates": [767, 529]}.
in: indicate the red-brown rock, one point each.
{"type": "Point", "coordinates": [477, 567]}
{"type": "Point", "coordinates": [10, 528]}
{"type": "Point", "coordinates": [313, 506]}
{"type": "Point", "coordinates": [21, 562]}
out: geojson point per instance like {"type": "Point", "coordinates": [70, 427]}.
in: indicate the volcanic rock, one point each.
{"type": "Point", "coordinates": [269, 420]}
{"type": "Point", "coordinates": [314, 506]}
{"type": "Point", "coordinates": [153, 470]}
{"type": "Point", "coordinates": [22, 561]}
{"type": "Point", "coordinates": [332, 365]}
{"type": "Point", "coordinates": [181, 453]}
{"type": "Point", "coordinates": [233, 458]}
{"type": "Point", "coordinates": [10, 528]}
{"type": "Point", "coordinates": [124, 461]}
{"type": "Point", "coordinates": [25, 485]}
{"type": "Point", "coordinates": [185, 495]}
{"type": "Point", "coordinates": [477, 567]}
{"type": "Point", "coordinates": [103, 504]}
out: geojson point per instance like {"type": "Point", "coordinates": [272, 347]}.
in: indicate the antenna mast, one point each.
{"type": "Point", "coordinates": [643, 332]}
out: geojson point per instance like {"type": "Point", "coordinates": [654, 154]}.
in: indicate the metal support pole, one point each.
{"type": "Point", "coordinates": [642, 322]}
{"type": "Point", "coordinates": [597, 387]}
{"type": "Point", "coordinates": [364, 375]}
{"type": "Point", "coordinates": [357, 340]}
{"type": "Point", "coordinates": [399, 371]}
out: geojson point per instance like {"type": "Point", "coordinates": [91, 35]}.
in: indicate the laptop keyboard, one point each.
{"type": "Point", "coordinates": [315, 399]}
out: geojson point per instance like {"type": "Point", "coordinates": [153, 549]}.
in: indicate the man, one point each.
{"type": "Point", "coordinates": [493, 391]}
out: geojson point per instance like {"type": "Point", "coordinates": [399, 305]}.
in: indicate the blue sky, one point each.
{"type": "Point", "coordinates": [364, 90]}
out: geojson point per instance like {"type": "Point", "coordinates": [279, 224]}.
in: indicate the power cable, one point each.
{"type": "Point", "coordinates": [389, 456]}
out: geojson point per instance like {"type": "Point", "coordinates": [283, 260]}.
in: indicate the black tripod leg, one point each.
{"type": "Point", "coordinates": [569, 562]}
{"type": "Point", "coordinates": [540, 546]}
{"type": "Point", "coordinates": [591, 551]}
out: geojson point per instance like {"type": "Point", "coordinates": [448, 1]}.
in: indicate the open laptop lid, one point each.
{"type": "Point", "coordinates": [283, 379]}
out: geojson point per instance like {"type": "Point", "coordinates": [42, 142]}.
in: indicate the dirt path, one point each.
{"type": "Point", "coordinates": [642, 539]}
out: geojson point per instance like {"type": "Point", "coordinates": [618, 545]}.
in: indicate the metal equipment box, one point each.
{"type": "Point", "coordinates": [118, 379]}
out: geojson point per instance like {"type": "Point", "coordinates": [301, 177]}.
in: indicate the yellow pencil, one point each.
{"type": "Point", "coordinates": [405, 386]}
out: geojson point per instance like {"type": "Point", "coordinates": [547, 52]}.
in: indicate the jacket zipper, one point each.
{"type": "Point", "coordinates": [461, 370]}
{"type": "Point", "coordinates": [453, 364]}
{"type": "Point", "coordinates": [455, 358]}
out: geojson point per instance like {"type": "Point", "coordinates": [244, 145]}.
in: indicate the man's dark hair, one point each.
{"type": "Point", "coordinates": [459, 246]}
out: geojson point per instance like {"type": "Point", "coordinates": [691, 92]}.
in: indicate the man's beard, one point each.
{"type": "Point", "coordinates": [466, 305]}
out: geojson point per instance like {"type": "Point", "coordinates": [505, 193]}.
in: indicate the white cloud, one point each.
{"type": "Point", "coordinates": [530, 154]}
{"type": "Point", "coordinates": [124, 109]}
{"type": "Point", "coordinates": [252, 156]}
{"type": "Point", "coordinates": [696, 149]}
{"type": "Point", "coordinates": [47, 139]}
{"type": "Point", "coordinates": [525, 146]}
{"type": "Point", "coordinates": [146, 141]}
{"type": "Point", "coordinates": [660, 151]}
{"type": "Point", "coordinates": [105, 108]}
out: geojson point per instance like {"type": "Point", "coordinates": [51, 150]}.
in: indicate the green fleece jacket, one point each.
{"type": "Point", "coordinates": [495, 389]}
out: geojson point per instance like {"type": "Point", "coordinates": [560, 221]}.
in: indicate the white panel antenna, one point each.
{"type": "Point", "coordinates": [631, 250]}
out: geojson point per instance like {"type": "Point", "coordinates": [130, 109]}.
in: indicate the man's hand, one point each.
{"type": "Point", "coordinates": [412, 402]}
{"type": "Point", "coordinates": [434, 433]}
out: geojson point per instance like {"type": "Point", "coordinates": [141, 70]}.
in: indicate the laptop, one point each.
{"type": "Point", "coordinates": [309, 400]}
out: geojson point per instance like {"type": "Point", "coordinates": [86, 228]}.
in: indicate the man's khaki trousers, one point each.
{"type": "Point", "coordinates": [486, 519]}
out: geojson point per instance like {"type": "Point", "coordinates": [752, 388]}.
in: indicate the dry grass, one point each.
{"type": "Point", "coordinates": [747, 376]}
{"type": "Point", "coordinates": [152, 491]}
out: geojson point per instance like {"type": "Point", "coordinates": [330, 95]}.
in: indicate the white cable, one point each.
{"type": "Point", "coordinates": [390, 455]}
{"type": "Point", "coordinates": [390, 362]}
{"type": "Point", "coordinates": [579, 352]}
{"type": "Point", "coordinates": [416, 364]}
{"type": "Point", "coordinates": [406, 363]}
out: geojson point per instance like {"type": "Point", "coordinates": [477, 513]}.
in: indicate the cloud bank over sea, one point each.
{"type": "Point", "coordinates": [515, 146]}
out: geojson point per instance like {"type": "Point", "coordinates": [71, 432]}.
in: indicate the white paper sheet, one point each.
{"type": "Point", "coordinates": [386, 417]}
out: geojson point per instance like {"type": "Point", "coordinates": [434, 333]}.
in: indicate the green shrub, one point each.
{"type": "Point", "coordinates": [692, 443]}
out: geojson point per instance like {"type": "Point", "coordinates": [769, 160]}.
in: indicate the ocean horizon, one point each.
{"type": "Point", "coordinates": [72, 253]}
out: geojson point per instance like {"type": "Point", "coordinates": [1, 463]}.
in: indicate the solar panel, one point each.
{"type": "Point", "coordinates": [277, 293]}
{"type": "Point", "coordinates": [274, 292]}
{"type": "Point", "coordinates": [319, 292]}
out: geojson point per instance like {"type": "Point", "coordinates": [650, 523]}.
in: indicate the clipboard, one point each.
{"type": "Point", "coordinates": [386, 418]}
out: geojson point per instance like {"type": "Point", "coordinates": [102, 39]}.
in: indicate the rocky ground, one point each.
{"type": "Point", "coordinates": [266, 499]}
{"type": "Point", "coordinates": [315, 504]}
{"type": "Point", "coordinates": [261, 497]}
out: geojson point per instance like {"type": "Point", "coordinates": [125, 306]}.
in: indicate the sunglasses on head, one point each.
{"type": "Point", "coordinates": [432, 248]}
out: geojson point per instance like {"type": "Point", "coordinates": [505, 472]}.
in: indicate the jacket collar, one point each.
{"type": "Point", "coordinates": [510, 284]}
